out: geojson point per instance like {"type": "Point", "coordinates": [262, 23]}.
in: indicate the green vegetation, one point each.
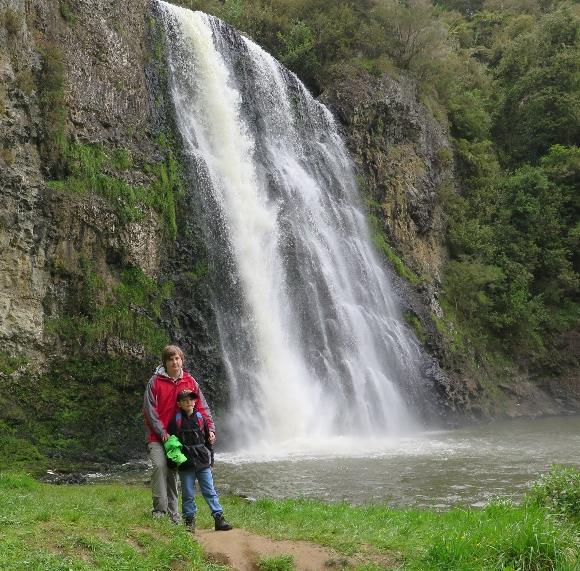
{"type": "Point", "coordinates": [380, 242]}
{"type": "Point", "coordinates": [87, 400]}
{"type": "Point", "coordinates": [54, 143]}
{"type": "Point", "coordinates": [200, 269]}
{"type": "Point", "coordinates": [92, 527]}
{"type": "Point", "coordinates": [67, 11]}
{"type": "Point", "coordinates": [108, 311]}
{"type": "Point", "coordinates": [109, 527]}
{"type": "Point", "coordinates": [77, 412]}
{"type": "Point", "coordinates": [17, 452]}
{"type": "Point", "coordinates": [128, 312]}
{"type": "Point", "coordinates": [9, 364]}
{"type": "Point", "coordinates": [514, 276]}
{"type": "Point", "coordinates": [414, 321]}
{"type": "Point", "coordinates": [91, 168]}
{"type": "Point", "coordinates": [25, 81]}
{"type": "Point", "coordinates": [559, 492]}
{"type": "Point", "coordinates": [276, 563]}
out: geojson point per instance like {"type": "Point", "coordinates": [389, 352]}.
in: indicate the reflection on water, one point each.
{"type": "Point", "coordinates": [435, 469]}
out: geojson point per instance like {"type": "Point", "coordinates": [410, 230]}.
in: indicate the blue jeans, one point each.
{"type": "Point", "coordinates": [205, 478]}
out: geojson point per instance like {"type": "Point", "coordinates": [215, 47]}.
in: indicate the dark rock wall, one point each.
{"type": "Point", "coordinates": [65, 253]}
{"type": "Point", "coordinates": [404, 158]}
{"type": "Point", "coordinates": [23, 279]}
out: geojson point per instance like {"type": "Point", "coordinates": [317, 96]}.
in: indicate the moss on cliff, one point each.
{"type": "Point", "coordinates": [93, 168]}
{"type": "Point", "coordinates": [381, 244]}
{"type": "Point", "coordinates": [127, 313]}
{"type": "Point", "coordinates": [51, 84]}
{"type": "Point", "coordinates": [79, 410]}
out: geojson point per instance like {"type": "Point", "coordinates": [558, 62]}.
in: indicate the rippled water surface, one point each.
{"type": "Point", "coordinates": [434, 469]}
{"type": "Point", "coordinates": [438, 469]}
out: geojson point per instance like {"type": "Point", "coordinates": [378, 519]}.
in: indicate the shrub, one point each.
{"type": "Point", "coordinates": [276, 563]}
{"type": "Point", "coordinates": [558, 491]}
{"type": "Point", "coordinates": [16, 481]}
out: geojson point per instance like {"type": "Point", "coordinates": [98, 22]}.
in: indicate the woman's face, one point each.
{"type": "Point", "coordinates": [173, 366]}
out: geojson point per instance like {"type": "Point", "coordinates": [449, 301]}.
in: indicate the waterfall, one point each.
{"type": "Point", "coordinates": [313, 343]}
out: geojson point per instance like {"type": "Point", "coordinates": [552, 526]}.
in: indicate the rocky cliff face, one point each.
{"type": "Point", "coordinates": [101, 262]}
{"type": "Point", "coordinates": [104, 98]}
{"type": "Point", "coordinates": [22, 251]}
{"type": "Point", "coordinates": [404, 158]}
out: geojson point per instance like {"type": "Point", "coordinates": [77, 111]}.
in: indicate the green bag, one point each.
{"type": "Point", "coordinates": [173, 450]}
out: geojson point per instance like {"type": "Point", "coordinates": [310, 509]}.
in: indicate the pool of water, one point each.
{"type": "Point", "coordinates": [437, 469]}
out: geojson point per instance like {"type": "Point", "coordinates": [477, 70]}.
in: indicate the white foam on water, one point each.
{"type": "Point", "coordinates": [421, 444]}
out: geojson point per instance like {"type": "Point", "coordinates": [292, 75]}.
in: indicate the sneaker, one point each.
{"type": "Point", "coordinates": [175, 518]}
{"type": "Point", "coordinates": [221, 524]}
{"type": "Point", "coordinates": [190, 523]}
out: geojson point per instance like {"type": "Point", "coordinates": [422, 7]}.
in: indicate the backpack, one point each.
{"type": "Point", "coordinates": [199, 455]}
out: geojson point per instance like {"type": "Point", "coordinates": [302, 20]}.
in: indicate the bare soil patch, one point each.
{"type": "Point", "coordinates": [242, 550]}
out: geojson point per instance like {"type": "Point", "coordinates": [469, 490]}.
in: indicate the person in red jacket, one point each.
{"type": "Point", "coordinates": [159, 407]}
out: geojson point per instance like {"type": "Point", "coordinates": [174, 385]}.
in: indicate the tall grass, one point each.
{"type": "Point", "coordinates": [109, 527]}
{"type": "Point", "coordinates": [54, 528]}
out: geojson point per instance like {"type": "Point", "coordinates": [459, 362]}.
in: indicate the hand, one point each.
{"type": "Point", "coordinates": [165, 437]}
{"type": "Point", "coordinates": [212, 437]}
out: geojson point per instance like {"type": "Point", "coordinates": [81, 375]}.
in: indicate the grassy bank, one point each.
{"type": "Point", "coordinates": [107, 526]}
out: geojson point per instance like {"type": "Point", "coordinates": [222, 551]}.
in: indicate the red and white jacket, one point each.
{"type": "Point", "coordinates": [160, 402]}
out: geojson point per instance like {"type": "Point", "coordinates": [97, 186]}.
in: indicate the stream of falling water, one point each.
{"type": "Point", "coordinates": [314, 345]}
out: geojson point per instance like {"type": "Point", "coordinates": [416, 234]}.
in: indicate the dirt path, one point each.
{"type": "Point", "coordinates": [241, 550]}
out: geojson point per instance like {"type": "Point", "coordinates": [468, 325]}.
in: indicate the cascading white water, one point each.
{"type": "Point", "coordinates": [313, 343]}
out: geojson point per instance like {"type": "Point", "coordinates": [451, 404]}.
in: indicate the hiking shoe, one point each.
{"type": "Point", "coordinates": [175, 518]}
{"type": "Point", "coordinates": [221, 524]}
{"type": "Point", "coordinates": [190, 523]}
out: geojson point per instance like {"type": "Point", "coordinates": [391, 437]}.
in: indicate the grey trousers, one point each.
{"type": "Point", "coordinates": [163, 482]}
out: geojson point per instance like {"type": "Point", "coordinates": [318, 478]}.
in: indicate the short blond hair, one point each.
{"type": "Point", "coordinates": [169, 351]}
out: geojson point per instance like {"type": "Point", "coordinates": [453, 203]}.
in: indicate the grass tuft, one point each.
{"type": "Point", "coordinates": [17, 481]}
{"type": "Point", "coordinates": [559, 492]}
{"type": "Point", "coordinates": [277, 563]}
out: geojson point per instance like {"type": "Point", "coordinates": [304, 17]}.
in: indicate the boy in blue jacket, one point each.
{"type": "Point", "coordinates": [191, 428]}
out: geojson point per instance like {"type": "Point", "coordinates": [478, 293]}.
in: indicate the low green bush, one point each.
{"type": "Point", "coordinates": [558, 491]}
{"type": "Point", "coordinates": [17, 481]}
{"type": "Point", "coordinates": [277, 563]}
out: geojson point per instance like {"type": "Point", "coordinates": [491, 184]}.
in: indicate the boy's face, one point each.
{"type": "Point", "coordinates": [186, 404]}
{"type": "Point", "coordinates": [173, 365]}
